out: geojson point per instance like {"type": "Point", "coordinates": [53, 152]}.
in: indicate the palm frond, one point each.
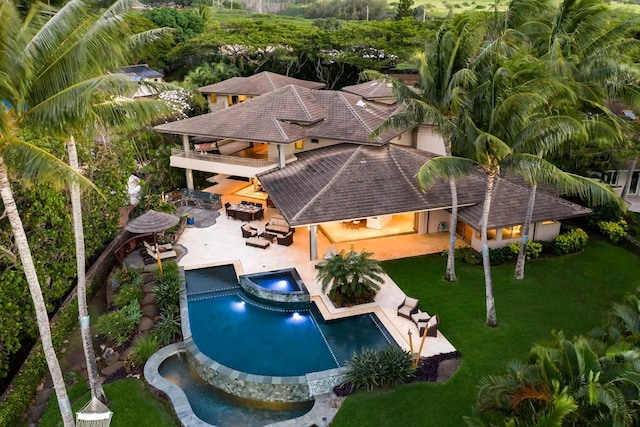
{"type": "Point", "coordinates": [38, 165]}
{"type": "Point", "coordinates": [445, 167]}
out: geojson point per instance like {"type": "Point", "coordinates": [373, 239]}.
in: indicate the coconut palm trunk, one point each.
{"type": "Point", "coordinates": [83, 313]}
{"type": "Point", "coordinates": [36, 295]}
{"type": "Point", "coordinates": [450, 274]}
{"type": "Point", "coordinates": [492, 320]}
{"type": "Point", "coordinates": [522, 253]}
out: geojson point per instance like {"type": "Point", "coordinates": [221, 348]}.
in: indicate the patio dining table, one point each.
{"type": "Point", "coordinates": [245, 212]}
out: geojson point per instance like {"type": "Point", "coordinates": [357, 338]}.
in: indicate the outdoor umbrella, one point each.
{"type": "Point", "coordinates": [152, 222]}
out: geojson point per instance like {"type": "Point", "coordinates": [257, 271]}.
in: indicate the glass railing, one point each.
{"type": "Point", "coordinates": [230, 159]}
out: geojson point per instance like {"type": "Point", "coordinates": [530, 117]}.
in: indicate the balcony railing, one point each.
{"type": "Point", "coordinates": [220, 158]}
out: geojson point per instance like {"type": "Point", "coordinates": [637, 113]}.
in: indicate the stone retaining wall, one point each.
{"type": "Point", "coordinates": [256, 387]}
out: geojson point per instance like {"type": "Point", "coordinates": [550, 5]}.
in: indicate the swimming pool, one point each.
{"type": "Point", "coordinates": [272, 339]}
{"type": "Point", "coordinates": [217, 408]}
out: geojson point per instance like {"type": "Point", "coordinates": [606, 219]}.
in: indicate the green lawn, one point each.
{"type": "Point", "coordinates": [569, 293]}
{"type": "Point", "coordinates": [132, 404]}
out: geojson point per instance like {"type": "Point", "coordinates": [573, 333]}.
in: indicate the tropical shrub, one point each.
{"type": "Point", "coordinates": [573, 241]}
{"type": "Point", "coordinates": [614, 231]}
{"type": "Point", "coordinates": [611, 212]}
{"type": "Point", "coordinates": [168, 328]}
{"type": "Point", "coordinates": [128, 294]}
{"type": "Point", "coordinates": [125, 276]}
{"type": "Point", "coordinates": [466, 255]}
{"type": "Point", "coordinates": [386, 367]}
{"type": "Point", "coordinates": [497, 256]}
{"type": "Point", "coordinates": [167, 289]}
{"type": "Point", "coordinates": [144, 349]}
{"type": "Point", "coordinates": [133, 311]}
{"type": "Point", "coordinates": [354, 277]}
{"type": "Point", "coordinates": [118, 325]}
{"type": "Point", "coordinates": [534, 249]}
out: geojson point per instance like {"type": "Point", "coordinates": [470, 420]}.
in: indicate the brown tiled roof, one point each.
{"type": "Point", "coordinates": [375, 89]}
{"type": "Point", "coordinates": [256, 85]}
{"type": "Point", "coordinates": [289, 114]}
{"type": "Point", "coordinates": [349, 181]}
{"type": "Point", "coordinates": [509, 206]}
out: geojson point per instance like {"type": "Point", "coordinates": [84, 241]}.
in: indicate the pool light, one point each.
{"type": "Point", "coordinates": [238, 306]}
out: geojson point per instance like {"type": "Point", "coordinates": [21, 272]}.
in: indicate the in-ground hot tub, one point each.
{"type": "Point", "coordinates": [279, 285]}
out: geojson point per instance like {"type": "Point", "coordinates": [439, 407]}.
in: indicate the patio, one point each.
{"type": "Point", "coordinates": [222, 243]}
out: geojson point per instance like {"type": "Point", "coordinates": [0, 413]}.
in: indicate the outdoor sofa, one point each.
{"type": "Point", "coordinates": [277, 225]}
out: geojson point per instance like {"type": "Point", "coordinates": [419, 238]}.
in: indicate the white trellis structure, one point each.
{"type": "Point", "coordinates": [94, 414]}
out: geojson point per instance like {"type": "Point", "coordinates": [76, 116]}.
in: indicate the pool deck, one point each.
{"type": "Point", "coordinates": [222, 243]}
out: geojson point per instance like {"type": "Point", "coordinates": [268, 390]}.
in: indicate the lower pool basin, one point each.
{"type": "Point", "coordinates": [218, 408]}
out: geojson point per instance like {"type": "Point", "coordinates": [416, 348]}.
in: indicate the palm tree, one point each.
{"type": "Point", "coordinates": [101, 108]}
{"type": "Point", "coordinates": [354, 277]}
{"type": "Point", "coordinates": [583, 48]}
{"type": "Point", "coordinates": [444, 76]}
{"type": "Point", "coordinates": [566, 378]}
{"type": "Point", "coordinates": [12, 39]}
{"type": "Point", "coordinates": [83, 313]}
{"type": "Point", "coordinates": [508, 115]}
{"type": "Point", "coordinates": [54, 66]}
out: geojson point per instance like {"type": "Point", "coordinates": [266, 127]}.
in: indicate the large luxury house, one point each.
{"type": "Point", "coordinates": [311, 150]}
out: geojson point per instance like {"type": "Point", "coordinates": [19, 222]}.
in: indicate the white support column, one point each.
{"type": "Point", "coordinates": [281, 156]}
{"type": "Point", "coordinates": [187, 153]}
{"type": "Point", "coordinates": [313, 242]}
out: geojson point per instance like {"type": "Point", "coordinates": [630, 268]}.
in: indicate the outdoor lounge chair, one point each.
{"type": "Point", "coordinates": [162, 254]}
{"type": "Point", "coordinates": [285, 240]}
{"type": "Point", "coordinates": [248, 231]}
{"type": "Point", "coordinates": [431, 325]}
{"type": "Point", "coordinates": [408, 307]}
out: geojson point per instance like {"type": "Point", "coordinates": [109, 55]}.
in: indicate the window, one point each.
{"type": "Point", "coordinates": [610, 177]}
{"type": "Point", "coordinates": [511, 232]}
{"type": "Point", "coordinates": [299, 145]}
{"type": "Point", "coordinates": [548, 222]}
{"type": "Point", "coordinates": [491, 234]}
{"type": "Point", "coordinates": [213, 97]}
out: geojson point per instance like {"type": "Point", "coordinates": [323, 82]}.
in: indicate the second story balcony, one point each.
{"type": "Point", "coordinates": [246, 160]}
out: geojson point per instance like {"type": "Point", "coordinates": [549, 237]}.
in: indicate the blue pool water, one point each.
{"type": "Point", "coordinates": [281, 281]}
{"type": "Point", "coordinates": [221, 409]}
{"type": "Point", "coordinates": [271, 339]}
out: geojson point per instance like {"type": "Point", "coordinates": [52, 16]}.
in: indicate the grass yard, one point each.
{"type": "Point", "coordinates": [132, 404]}
{"type": "Point", "coordinates": [570, 293]}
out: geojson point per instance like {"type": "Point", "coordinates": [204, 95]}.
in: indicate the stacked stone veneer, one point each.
{"type": "Point", "coordinates": [273, 295]}
{"type": "Point", "coordinates": [324, 381]}
{"type": "Point", "coordinates": [250, 386]}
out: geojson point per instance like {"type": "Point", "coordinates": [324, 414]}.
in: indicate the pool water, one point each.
{"type": "Point", "coordinates": [221, 409]}
{"type": "Point", "coordinates": [272, 339]}
{"type": "Point", "coordinates": [283, 282]}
